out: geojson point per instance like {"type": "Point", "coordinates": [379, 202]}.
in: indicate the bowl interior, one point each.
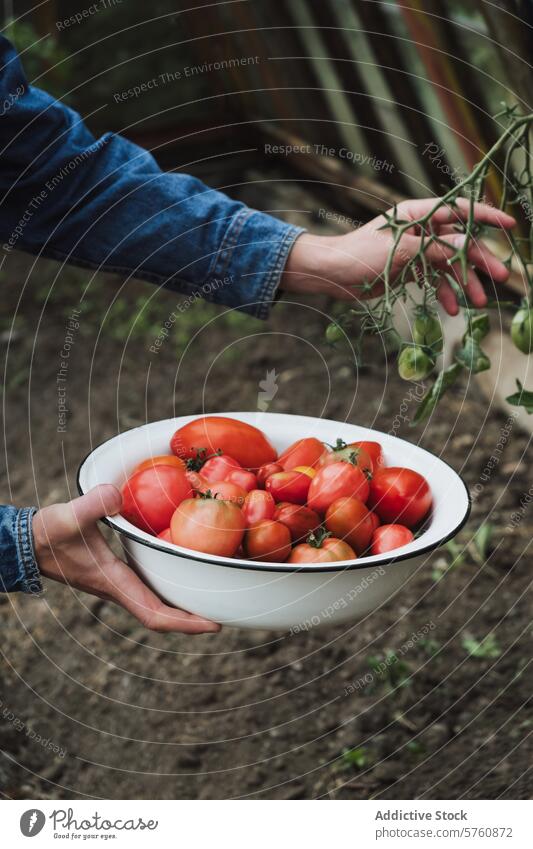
{"type": "Point", "coordinates": [114, 460]}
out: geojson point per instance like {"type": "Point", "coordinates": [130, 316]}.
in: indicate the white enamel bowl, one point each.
{"type": "Point", "coordinates": [244, 594]}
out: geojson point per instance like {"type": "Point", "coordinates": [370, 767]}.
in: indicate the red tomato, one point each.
{"type": "Point", "coordinates": [226, 491]}
{"type": "Point", "coordinates": [389, 537]}
{"type": "Point", "coordinates": [400, 496]}
{"type": "Point", "coordinates": [150, 497]}
{"type": "Point", "coordinates": [328, 551]}
{"type": "Point", "coordinates": [349, 519]}
{"type": "Point", "coordinates": [375, 519]}
{"type": "Point", "coordinates": [246, 443]}
{"type": "Point", "coordinates": [265, 471]}
{"type": "Point", "coordinates": [165, 535]}
{"type": "Point", "coordinates": [307, 470]}
{"type": "Point", "coordinates": [197, 481]}
{"type": "Point", "coordinates": [303, 452]}
{"type": "Point", "coordinates": [336, 481]}
{"type": "Point", "coordinates": [218, 468]}
{"type": "Point", "coordinates": [374, 451]}
{"type": "Point", "coordinates": [349, 454]}
{"type": "Point", "coordinates": [243, 478]}
{"type": "Point", "coordinates": [268, 540]}
{"type": "Point", "coordinates": [258, 505]}
{"type": "Point", "coordinates": [289, 486]}
{"type": "Point", "coordinates": [160, 460]}
{"type": "Point", "coordinates": [209, 525]}
{"type": "Point", "coordinates": [299, 520]}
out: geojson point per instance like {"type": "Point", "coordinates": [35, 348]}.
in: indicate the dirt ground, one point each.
{"type": "Point", "coordinates": [255, 714]}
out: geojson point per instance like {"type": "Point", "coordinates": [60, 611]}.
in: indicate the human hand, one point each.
{"type": "Point", "coordinates": [340, 266]}
{"type": "Point", "coordinates": [70, 549]}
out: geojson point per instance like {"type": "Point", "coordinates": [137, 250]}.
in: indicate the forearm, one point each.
{"type": "Point", "coordinates": [106, 204]}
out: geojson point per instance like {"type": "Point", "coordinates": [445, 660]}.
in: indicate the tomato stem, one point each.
{"type": "Point", "coordinates": [316, 538]}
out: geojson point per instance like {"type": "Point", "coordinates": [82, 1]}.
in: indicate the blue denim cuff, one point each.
{"type": "Point", "coordinates": [19, 571]}
{"type": "Point", "coordinates": [251, 260]}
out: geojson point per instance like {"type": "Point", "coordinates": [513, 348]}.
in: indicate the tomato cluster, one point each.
{"type": "Point", "coordinates": [225, 491]}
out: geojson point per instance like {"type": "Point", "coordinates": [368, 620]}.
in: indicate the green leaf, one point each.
{"type": "Point", "coordinates": [357, 757]}
{"type": "Point", "coordinates": [416, 748]}
{"type": "Point", "coordinates": [522, 398]}
{"type": "Point", "coordinates": [482, 539]}
{"type": "Point", "coordinates": [486, 648]}
{"type": "Point", "coordinates": [478, 326]}
{"type": "Point", "coordinates": [445, 379]}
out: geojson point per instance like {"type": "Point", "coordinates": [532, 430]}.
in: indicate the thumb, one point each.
{"type": "Point", "coordinates": [102, 500]}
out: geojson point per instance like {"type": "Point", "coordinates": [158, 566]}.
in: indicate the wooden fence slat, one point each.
{"type": "Point", "coordinates": [317, 105]}
{"type": "Point", "coordinates": [442, 73]}
{"type": "Point", "coordinates": [382, 41]}
{"type": "Point", "coordinates": [510, 24]}
{"type": "Point", "coordinates": [364, 112]}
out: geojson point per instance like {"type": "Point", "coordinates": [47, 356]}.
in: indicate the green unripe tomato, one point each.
{"type": "Point", "coordinates": [427, 331]}
{"type": "Point", "coordinates": [522, 330]}
{"type": "Point", "coordinates": [414, 363]}
{"type": "Point", "coordinates": [334, 333]}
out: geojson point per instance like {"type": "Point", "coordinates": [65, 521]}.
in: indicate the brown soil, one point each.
{"type": "Point", "coordinates": [254, 714]}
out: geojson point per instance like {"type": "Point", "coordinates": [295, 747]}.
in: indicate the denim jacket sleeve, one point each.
{"type": "Point", "coordinates": [18, 568]}
{"type": "Point", "coordinates": [105, 203]}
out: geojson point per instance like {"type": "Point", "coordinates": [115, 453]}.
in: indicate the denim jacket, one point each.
{"type": "Point", "coordinates": [105, 204]}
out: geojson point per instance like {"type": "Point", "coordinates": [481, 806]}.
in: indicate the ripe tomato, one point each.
{"type": "Point", "coordinates": [349, 519]}
{"type": "Point", "coordinates": [375, 519]}
{"type": "Point", "coordinates": [335, 481]}
{"type": "Point", "coordinates": [165, 535]}
{"type": "Point", "coordinates": [226, 491]}
{"type": "Point", "coordinates": [400, 495]}
{"type": "Point", "coordinates": [265, 471]}
{"type": "Point", "coordinates": [258, 505]}
{"type": "Point", "coordinates": [306, 470]}
{"type": "Point", "coordinates": [349, 454]}
{"type": "Point", "coordinates": [389, 537]}
{"type": "Point", "coordinates": [246, 443]}
{"type": "Point", "coordinates": [197, 481]}
{"type": "Point", "coordinates": [268, 540]}
{"type": "Point", "coordinates": [303, 452]}
{"type": "Point", "coordinates": [160, 460]}
{"type": "Point", "coordinates": [374, 451]}
{"type": "Point", "coordinates": [326, 551]}
{"type": "Point", "coordinates": [209, 525]}
{"type": "Point", "coordinates": [150, 497]}
{"type": "Point", "coordinates": [289, 486]}
{"type": "Point", "coordinates": [301, 521]}
{"type": "Point", "coordinates": [218, 468]}
{"type": "Point", "coordinates": [243, 478]}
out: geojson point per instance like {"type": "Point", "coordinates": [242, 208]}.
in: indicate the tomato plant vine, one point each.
{"type": "Point", "coordinates": [417, 358]}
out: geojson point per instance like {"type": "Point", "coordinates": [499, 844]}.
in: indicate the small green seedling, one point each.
{"type": "Point", "coordinates": [484, 649]}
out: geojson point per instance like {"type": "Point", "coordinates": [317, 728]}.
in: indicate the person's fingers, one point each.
{"type": "Point", "coordinates": [103, 500]}
{"type": "Point", "coordinates": [127, 589]}
{"type": "Point", "coordinates": [480, 256]}
{"type": "Point", "coordinates": [439, 254]}
{"type": "Point", "coordinates": [436, 253]}
{"type": "Point", "coordinates": [473, 286]}
{"type": "Point", "coordinates": [483, 213]}
{"type": "Point", "coordinates": [60, 522]}
{"type": "Point", "coordinates": [447, 297]}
